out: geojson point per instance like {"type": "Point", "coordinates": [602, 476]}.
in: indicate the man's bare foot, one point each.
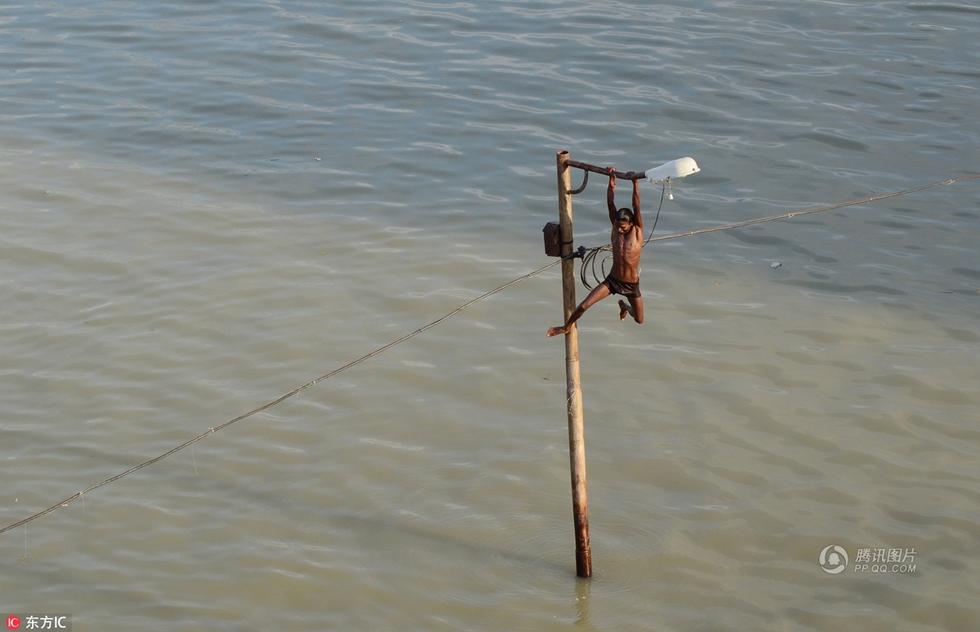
{"type": "Point", "coordinates": [554, 331]}
{"type": "Point", "coordinates": [624, 309]}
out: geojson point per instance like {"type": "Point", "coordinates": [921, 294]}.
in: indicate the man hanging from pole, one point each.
{"type": "Point", "coordinates": [627, 246]}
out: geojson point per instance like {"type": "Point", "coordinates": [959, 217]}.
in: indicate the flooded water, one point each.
{"type": "Point", "coordinates": [205, 205]}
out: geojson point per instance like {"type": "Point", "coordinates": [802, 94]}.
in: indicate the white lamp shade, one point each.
{"type": "Point", "coordinates": [680, 168]}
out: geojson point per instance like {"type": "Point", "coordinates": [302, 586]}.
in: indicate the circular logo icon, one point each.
{"type": "Point", "coordinates": [13, 622]}
{"type": "Point", "coordinates": [833, 559]}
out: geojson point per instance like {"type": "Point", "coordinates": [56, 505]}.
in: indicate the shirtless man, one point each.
{"type": "Point", "coordinates": [627, 245]}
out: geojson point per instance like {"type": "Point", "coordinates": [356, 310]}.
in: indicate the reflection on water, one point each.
{"type": "Point", "coordinates": [205, 206]}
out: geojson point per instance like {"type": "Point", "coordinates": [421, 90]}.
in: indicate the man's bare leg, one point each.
{"type": "Point", "coordinates": [598, 293]}
{"type": "Point", "coordinates": [634, 309]}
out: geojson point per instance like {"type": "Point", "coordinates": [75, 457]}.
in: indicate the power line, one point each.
{"type": "Point", "coordinates": [211, 430]}
{"type": "Point", "coordinates": [67, 501]}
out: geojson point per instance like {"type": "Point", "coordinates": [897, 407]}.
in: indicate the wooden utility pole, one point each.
{"type": "Point", "coordinates": [576, 420]}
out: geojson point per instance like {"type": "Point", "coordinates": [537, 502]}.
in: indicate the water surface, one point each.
{"type": "Point", "coordinates": [205, 205]}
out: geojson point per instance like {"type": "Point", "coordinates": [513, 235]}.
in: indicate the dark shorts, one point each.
{"type": "Point", "coordinates": [629, 290]}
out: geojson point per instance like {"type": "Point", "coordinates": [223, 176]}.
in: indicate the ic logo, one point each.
{"type": "Point", "coordinates": [13, 622]}
{"type": "Point", "coordinates": [833, 559]}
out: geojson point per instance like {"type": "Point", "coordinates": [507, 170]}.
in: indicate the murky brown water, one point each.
{"type": "Point", "coordinates": [205, 206]}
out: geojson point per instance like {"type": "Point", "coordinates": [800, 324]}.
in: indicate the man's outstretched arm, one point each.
{"type": "Point", "coordinates": [637, 218]}
{"type": "Point", "coordinates": [611, 197]}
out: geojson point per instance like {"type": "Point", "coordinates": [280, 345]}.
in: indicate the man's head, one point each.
{"type": "Point", "coordinates": [624, 219]}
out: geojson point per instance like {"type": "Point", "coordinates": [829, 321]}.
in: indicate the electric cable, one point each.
{"type": "Point", "coordinates": [213, 429]}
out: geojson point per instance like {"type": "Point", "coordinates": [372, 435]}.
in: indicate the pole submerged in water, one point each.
{"type": "Point", "coordinates": [576, 419]}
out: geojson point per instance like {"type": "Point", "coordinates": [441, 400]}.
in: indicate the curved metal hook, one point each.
{"type": "Point", "coordinates": [585, 183]}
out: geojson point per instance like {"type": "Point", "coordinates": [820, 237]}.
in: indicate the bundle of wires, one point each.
{"type": "Point", "coordinates": [590, 256]}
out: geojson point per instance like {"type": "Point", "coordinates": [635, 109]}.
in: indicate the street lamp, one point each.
{"type": "Point", "coordinates": [680, 168]}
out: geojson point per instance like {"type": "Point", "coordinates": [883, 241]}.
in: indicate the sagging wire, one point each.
{"type": "Point", "coordinates": [24, 522]}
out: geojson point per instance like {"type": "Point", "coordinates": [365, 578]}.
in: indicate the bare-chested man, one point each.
{"type": "Point", "coordinates": [627, 245]}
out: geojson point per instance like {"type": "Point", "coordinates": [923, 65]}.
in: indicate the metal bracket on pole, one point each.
{"type": "Point", "coordinates": [606, 171]}
{"type": "Point", "coordinates": [585, 183]}
{"type": "Point", "coordinates": [575, 254]}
